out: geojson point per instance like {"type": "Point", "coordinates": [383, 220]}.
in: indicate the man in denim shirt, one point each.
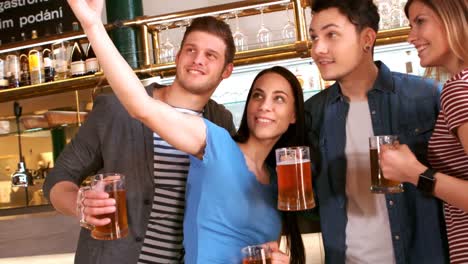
{"type": "Point", "coordinates": [367, 99]}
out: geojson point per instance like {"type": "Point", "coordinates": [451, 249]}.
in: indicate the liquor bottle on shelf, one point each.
{"type": "Point", "coordinates": [36, 66]}
{"type": "Point", "coordinates": [3, 71]}
{"type": "Point", "coordinates": [91, 63]}
{"type": "Point", "coordinates": [3, 79]}
{"type": "Point", "coordinates": [78, 67]}
{"type": "Point", "coordinates": [75, 26]}
{"type": "Point", "coordinates": [3, 84]}
{"type": "Point", "coordinates": [14, 71]}
{"type": "Point", "coordinates": [24, 66]}
{"type": "Point", "coordinates": [34, 34]}
{"type": "Point", "coordinates": [60, 55]}
{"type": "Point", "coordinates": [49, 70]}
{"type": "Point", "coordinates": [36, 63]}
{"type": "Point", "coordinates": [59, 28]}
{"type": "Point", "coordinates": [23, 36]}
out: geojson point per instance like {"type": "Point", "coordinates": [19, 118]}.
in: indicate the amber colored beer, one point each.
{"type": "Point", "coordinates": [295, 186]}
{"type": "Point", "coordinates": [256, 261]}
{"type": "Point", "coordinates": [118, 226]}
{"type": "Point", "coordinates": [378, 182]}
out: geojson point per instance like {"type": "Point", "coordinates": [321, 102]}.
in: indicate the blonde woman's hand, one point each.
{"type": "Point", "coordinates": [398, 163]}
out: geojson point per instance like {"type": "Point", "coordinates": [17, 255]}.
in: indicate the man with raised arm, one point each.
{"type": "Point", "coordinates": [112, 141]}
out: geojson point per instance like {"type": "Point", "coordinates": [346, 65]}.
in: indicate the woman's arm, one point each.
{"type": "Point", "coordinates": [184, 132]}
{"type": "Point", "coordinates": [400, 164]}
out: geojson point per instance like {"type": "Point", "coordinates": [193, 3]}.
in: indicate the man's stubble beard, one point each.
{"type": "Point", "coordinates": [207, 86]}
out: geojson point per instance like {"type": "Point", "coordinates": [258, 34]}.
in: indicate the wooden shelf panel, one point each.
{"type": "Point", "coordinates": [72, 84]}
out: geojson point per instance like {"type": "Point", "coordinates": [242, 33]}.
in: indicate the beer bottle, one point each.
{"type": "Point", "coordinates": [49, 71]}
{"type": "Point", "coordinates": [3, 79]}
{"type": "Point", "coordinates": [92, 64]}
{"type": "Point", "coordinates": [78, 58]}
{"type": "Point", "coordinates": [36, 66]}
{"type": "Point", "coordinates": [13, 71]}
{"type": "Point", "coordinates": [24, 66]}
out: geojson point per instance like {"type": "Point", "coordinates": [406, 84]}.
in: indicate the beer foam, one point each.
{"type": "Point", "coordinates": [291, 162]}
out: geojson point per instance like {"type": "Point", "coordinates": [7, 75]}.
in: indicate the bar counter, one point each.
{"type": "Point", "coordinates": [43, 259]}
{"type": "Point", "coordinates": [28, 236]}
{"type": "Point", "coordinates": [50, 238]}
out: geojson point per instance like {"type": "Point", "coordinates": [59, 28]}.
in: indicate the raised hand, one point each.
{"type": "Point", "coordinates": [88, 12]}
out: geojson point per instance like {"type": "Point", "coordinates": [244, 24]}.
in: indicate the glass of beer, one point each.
{"type": "Point", "coordinates": [294, 179]}
{"type": "Point", "coordinates": [114, 185]}
{"type": "Point", "coordinates": [256, 255]}
{"type": "Point", "coordinates": [378, 183]}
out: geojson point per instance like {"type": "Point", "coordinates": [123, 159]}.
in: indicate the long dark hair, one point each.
{"type": "Point", "coordinates": [294, 136]}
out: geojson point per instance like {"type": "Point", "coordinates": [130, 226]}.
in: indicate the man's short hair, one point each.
{"type": "Point", "coordinates": [219, 28]}
{"type": "Point", "coordinates": [362, 13]}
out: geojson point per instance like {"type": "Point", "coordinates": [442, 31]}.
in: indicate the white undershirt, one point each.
{"type": "Point", "coordinates": [368, 236]}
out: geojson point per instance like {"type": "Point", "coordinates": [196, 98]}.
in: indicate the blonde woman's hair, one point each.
{"type": "Point", "coordinates": [454, 16]}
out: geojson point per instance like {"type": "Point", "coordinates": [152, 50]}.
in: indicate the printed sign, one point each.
{"type": "Point", "coordinates": [44, 16]}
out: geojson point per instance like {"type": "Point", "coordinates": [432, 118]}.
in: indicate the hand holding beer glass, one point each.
{"type": "Point", "coordinates": [114, 185]}
{"type": "Point", "coordinates": [256, 255]}
{"type": "Point", "coordinates": [378, 183]}
{"type": "Point", "coordinates": [294, 179]}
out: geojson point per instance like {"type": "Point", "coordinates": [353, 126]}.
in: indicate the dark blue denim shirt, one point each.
{"type": "Point", "coordinates": [399, 104]}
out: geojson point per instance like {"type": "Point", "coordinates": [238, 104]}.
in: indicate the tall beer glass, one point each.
{"type": "Point", "coordinates": [378, 183]}
{"type": "Point", "coordinates": [256, 255]}
{"type": "Point", "coordinates": [294, 179]}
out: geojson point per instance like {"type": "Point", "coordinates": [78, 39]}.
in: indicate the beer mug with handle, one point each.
{"type": "Point", "coordinates": [378, 182]}
{"type": "Point", "coordinates": [114, 185]}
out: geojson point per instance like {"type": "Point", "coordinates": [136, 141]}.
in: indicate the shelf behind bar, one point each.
{"type": "Point", "coordinates": [72, 84]}
{"type": "Point", "coordinates": [45, 40]}
{"type": "Point", "coordinates": [248, 6]}
{"type": "Point", "coordinates": [392, 36]}
{"type": "Point", "coordinates": [280, 52]}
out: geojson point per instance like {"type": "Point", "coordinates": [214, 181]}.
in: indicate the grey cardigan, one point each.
{"type": "Point", "coordinates": [112, 141]}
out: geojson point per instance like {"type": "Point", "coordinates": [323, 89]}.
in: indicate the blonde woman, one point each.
{"type": "Point", "coordinates": [439, 33]}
